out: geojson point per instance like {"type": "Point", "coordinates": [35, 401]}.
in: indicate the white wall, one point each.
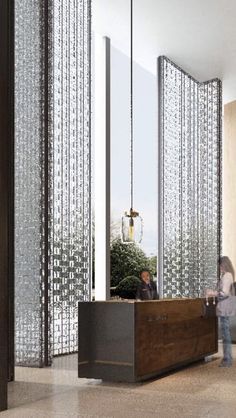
{"type": "Point", "coordinates": [229, 182]}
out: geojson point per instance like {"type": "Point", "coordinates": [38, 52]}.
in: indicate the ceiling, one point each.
{"type": "Point", "coordinates": [198, 35]}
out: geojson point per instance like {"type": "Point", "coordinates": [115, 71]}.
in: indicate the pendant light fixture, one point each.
{"type": "Point", "coordinates": [132, 223]}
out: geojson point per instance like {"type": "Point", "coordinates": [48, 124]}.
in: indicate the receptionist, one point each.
{"type": "Point", "coordinates": [147, 290]}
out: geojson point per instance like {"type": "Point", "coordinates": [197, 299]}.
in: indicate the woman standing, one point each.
{"type": "Point", "coordinates": [224, 309]}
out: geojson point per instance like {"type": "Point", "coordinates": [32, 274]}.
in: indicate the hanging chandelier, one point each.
{"type": "Point", "coordinates": [132, 223]}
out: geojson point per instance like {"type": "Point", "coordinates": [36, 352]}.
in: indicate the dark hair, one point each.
{"type": "Point", "coordinates": [226, 263]}
{"type": "Point", "coordinates": [145, 270]}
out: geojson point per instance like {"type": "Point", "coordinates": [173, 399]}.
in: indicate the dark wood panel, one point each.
{"type": "Point", "coordinates": [132, 341]}
{"type": "Point", "coordinates": [171, 333]}
{"type": "Point", "coordinates": [6, 209]}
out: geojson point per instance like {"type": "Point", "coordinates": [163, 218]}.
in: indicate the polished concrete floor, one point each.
{"type": "Point", "coordinates": [202, 390]}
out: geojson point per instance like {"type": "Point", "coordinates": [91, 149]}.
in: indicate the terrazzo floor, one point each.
{"type": "Point", "coordinates": [202, 390]}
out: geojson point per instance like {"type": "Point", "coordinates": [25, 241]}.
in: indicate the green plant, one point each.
{"type": "Point", "coordinates": [126, 260]}
{"type": "Point", "coordinates": [152, 265]}
{"type": "Point", "coordinates": [127, 287]}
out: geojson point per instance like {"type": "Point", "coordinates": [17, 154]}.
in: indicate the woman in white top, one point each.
{"type": "Point", "coordinates": [224, 310]}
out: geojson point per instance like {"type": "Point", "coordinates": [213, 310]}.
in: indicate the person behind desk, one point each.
{"type": "Point", "coordinates": [147, 290]}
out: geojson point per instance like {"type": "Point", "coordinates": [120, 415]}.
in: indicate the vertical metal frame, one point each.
{"type": "Point", "coordinates": [11, 257]}
{"type": "Point", "coordinates": [108, 166]}
{"type": "Point", "coordinates": [45, 170]}
{"type": "Point", "coordinates": [160, 200]}
{"type": "Point", "coordinates": [6, 193]}
{"type": "Point", "coordinates": [203, 108]}
{"type": "Point", "coordinates": [102, 164]}
{"type": "Point", "coordinates": [220, 173]}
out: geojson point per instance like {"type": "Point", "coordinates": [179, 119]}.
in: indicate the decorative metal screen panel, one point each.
{"type": "Point", "coordinates": [69, 168]}
{"type": "Point", "coordinates": [189, 181]}
{"type": "Point", "coordinates": [52, 175]}
{"type": "Point", "coordinates": [29, 141]}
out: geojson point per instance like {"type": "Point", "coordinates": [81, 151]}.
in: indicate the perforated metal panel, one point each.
{"type": "Point", "coordinates": [70, 168]}
{"type": "Point", "coordinates": [29, 141]}
{"type": "Point", "coordinates": [189, 181]}
{"type": "Point", "coordinates": [52, 175]}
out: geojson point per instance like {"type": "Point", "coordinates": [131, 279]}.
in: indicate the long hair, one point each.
{"type": "Point", "coordinates": [227, 265]}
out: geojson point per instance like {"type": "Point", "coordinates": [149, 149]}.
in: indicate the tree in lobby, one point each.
{"type": "Point", "coordinates": [127, 260]}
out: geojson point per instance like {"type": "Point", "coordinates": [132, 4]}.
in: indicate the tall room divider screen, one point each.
{"type": "Point", "coordinates": [189, 181]}
{"type": "Point", "coordinates": [70, 168]}
{"type": "Point", "coordinates": [52, 175]}
{"type": "Point", "coordinates": [29, 188]}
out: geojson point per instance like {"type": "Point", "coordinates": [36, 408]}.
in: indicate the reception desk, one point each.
{"type": "Point", "coordinates": [131, 341]}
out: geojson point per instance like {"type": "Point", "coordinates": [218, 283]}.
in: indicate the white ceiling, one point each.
{"type": "Point", "coordinates": [198, 35]}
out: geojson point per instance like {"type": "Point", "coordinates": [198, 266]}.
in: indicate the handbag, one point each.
{"type": "Point", "coordinates": [209, 308]}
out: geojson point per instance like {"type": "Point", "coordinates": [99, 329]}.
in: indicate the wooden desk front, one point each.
{"type": "Point", "coordinates": [133, 341]}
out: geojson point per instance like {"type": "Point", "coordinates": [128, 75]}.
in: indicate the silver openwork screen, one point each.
{"type": "Point", "coordinates": [189, 181]}
{"type": "Point", "coordinates": [29, 141]}
{"type": "Point", "coordinates": [52, 175]}
{"type": "Point", "coordinates": [70, 175]}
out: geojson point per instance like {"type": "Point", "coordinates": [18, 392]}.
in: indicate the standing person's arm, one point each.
{"type": "Point", "coordinates": [227, 281]}
{"type": "Point", "coordinates": [224, 287]}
